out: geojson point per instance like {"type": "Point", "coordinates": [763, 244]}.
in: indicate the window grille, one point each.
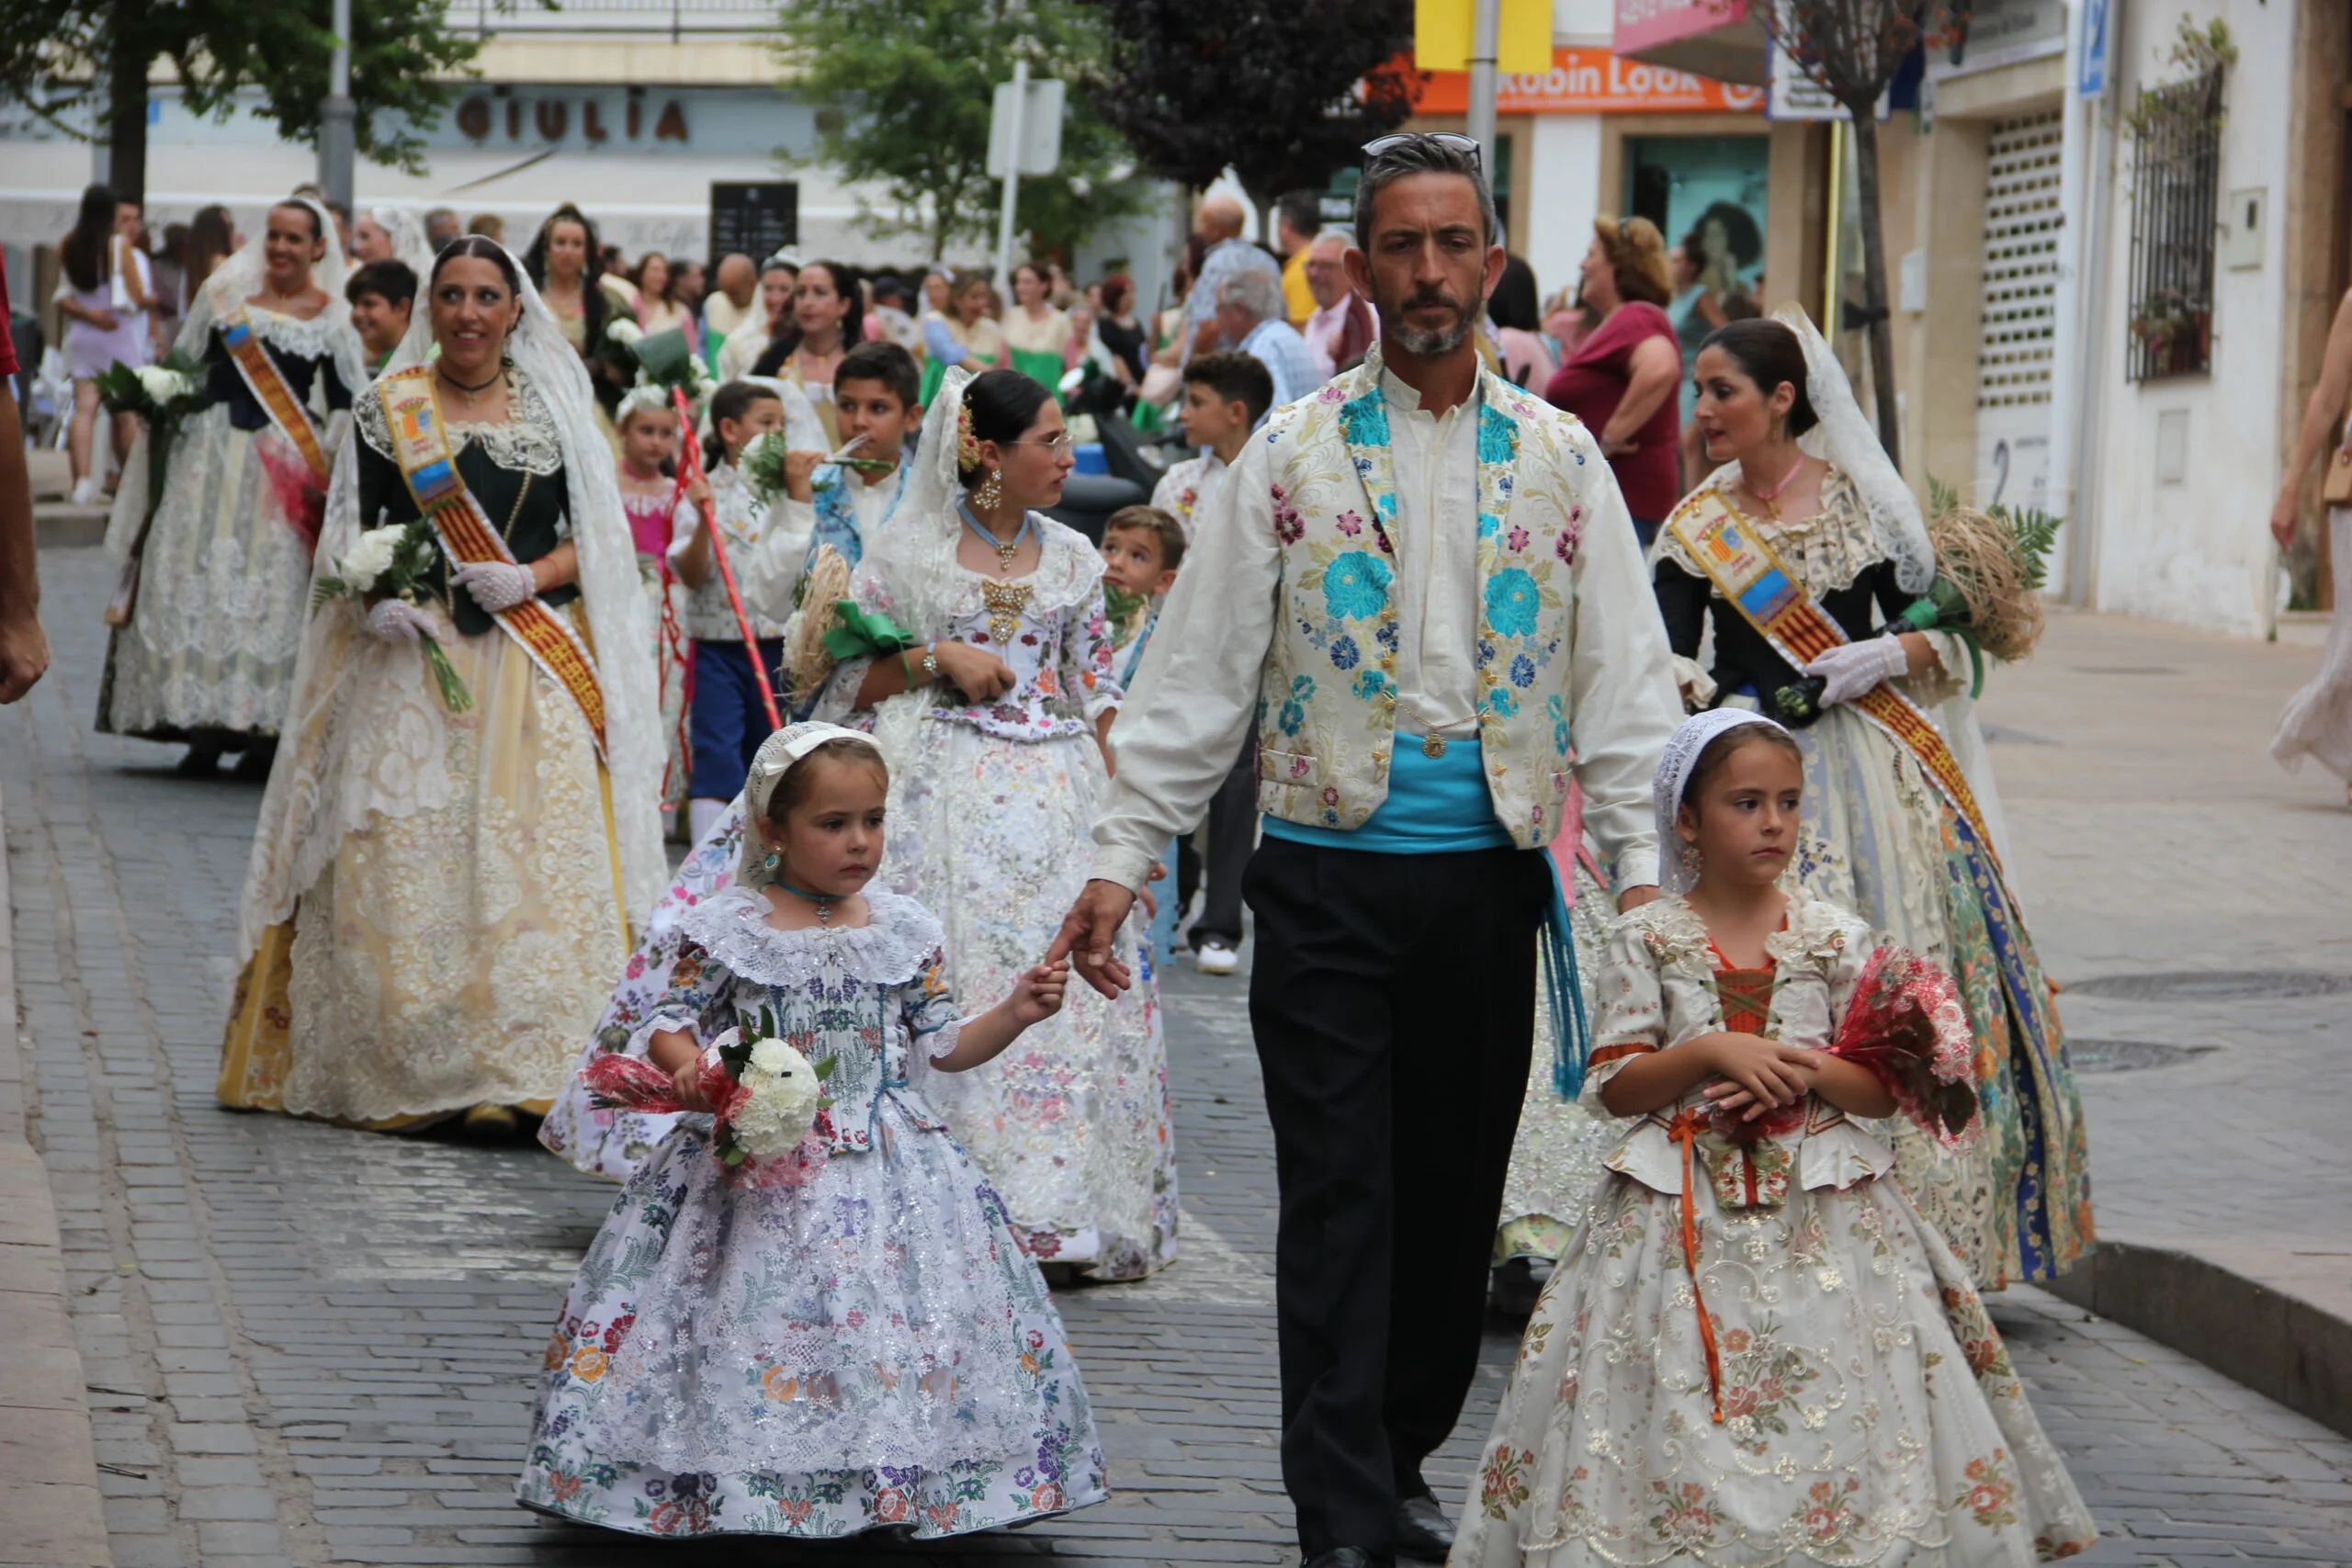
{"type": "Point", "coordinates": [2174, 198]}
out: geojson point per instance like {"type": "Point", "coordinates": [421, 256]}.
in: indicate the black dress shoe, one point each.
{"type": "Point", "coordinates": [1423, 1532]}
{"type": "Point", "coordinates": [1347, 1557]}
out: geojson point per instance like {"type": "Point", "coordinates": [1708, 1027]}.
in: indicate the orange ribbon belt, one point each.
{"type": "Point", "coordinates": [1684, 1130]}
{"type": "Point", "coordinates": [421, 447]}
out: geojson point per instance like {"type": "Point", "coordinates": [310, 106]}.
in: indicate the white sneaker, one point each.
{"type": "Point", "coordinates": [85, 491]}
{"type": "Point", "coordinates": [1212, 956]}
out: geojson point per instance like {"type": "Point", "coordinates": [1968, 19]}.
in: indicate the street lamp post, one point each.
{"type": "Point", "coordinates": [337, 145]}
{"type": "Point", "coordinates": [1486, 43]}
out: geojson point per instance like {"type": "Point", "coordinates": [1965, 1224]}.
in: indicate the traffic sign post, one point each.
{"type": "Point", "coordinates": [1024, 138]}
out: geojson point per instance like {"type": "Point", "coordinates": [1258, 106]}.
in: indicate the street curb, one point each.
{"type": "Point", "coordinates": [2276, 1342]}
{"type": "Point", "coordinates": [51, 1512]}
{"type": "Point", "coordinates": [59, 525]}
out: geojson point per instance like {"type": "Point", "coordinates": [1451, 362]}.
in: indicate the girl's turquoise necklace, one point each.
{"type": "Point", "coordinates": [824, 901]}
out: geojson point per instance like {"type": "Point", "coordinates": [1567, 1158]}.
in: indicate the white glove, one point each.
{"type": "Point", "coordinates": [495, 585]}
{"type": "Point", "coordinates": [397, 620]}
{"type": "Point", "coordinates": [1852, 669]}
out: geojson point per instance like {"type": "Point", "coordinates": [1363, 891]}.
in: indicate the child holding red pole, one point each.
{"type": "Point", "coordinates": [738, 648]}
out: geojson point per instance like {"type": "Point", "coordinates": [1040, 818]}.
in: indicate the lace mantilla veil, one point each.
{"type": "Point", "coordinates": [908, 571]}
{"type": "Point", "coordinates": [364, 736]}
{"type": "Point", "coordinates": [1845, 440]}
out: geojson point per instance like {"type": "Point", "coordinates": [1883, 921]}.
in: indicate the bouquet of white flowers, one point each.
{"type": "Point", "coordinates": [166, 396]}
{"type": "Point", "coordinates": [768, 1125]}
{"type": "Point", "coordinates": [396, 561]}
{"type": "Point", "coordinates": [663, 360]}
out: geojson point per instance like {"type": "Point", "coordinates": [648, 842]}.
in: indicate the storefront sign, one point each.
{"type": "Point", "coordinates": [2002, 32]}
{"type": "Point", "coordinates": [1592, 81]}
{"type": "Point", "coordinates": [674, 122]}
{"type": "Point", "coordinates": [2090, 78]}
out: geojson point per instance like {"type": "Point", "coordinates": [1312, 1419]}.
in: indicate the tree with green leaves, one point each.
{"type": "Point", "coordinates": [86, 62]}
{"type": "Point", "coordinates": [904, 88]}
{"type": "Point", "coordinates": [1282, 95]}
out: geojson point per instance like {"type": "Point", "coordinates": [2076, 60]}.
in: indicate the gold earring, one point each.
{"type": "Point", "coordinates": [989, 490]}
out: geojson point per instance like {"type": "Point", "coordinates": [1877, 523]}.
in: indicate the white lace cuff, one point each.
{"type": "Point", "coordinates": [640, 1041]}
{"type": "Point", "coordinates": [943, 1042]}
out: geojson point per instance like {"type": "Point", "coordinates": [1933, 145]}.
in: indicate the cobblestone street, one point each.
{"type": "Point", "coordinates": [310, 1346]}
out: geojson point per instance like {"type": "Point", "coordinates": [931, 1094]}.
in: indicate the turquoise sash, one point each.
{"type": "Point", "coordinates": [1439, 805]}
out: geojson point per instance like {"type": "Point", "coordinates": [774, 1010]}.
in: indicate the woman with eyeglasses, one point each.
{"type": "Point", "coordinates": [994, 721]}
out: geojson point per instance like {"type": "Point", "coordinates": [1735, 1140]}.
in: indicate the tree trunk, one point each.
{"type": "Point", "coordinates": [127, 112]}
{"type": "Point", "coordinates": [1875, 301]}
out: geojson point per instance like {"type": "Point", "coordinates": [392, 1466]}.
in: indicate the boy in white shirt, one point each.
{"type": "Point", "coordinates": [1225, 394]}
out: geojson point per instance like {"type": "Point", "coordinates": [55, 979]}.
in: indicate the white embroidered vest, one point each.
{"type": "Point", "coordinates": [1327, 709]}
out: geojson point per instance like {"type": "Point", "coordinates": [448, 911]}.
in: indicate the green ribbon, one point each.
{"type": "Point", "coordinates": [863, 635]}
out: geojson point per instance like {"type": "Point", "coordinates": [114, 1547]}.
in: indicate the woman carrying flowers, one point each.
{"type": "Point", "coordinates": [809, 1318]}
{"type": "Point", "coordinates": [444, 874]}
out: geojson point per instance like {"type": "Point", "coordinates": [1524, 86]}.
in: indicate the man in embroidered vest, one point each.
{"type": "Point", "coordinates": [1425, 591]}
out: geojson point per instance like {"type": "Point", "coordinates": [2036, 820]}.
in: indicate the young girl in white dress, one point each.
{"type": "Point", "coordinates": [849, 1339]}
{"type": "Point", "coordinates": [1824, 1387]}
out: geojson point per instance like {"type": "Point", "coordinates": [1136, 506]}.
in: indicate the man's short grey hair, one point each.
{"type": "Point", "coordinates": [1420, 155]}
{"type": "Point", "coordinates": [1258, 292]}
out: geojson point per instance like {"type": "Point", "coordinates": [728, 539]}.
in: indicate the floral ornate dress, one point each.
{"type": "Point", "coordinates": [867, 1347]}
{"type": "Point", "coordinates": [1880, 838]}
{"type": "Point", "coordinates": [990, 809]}
{"type": "Point", "coordinates": [1868, 1413]}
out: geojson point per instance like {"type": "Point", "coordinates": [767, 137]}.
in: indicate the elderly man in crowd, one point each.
{"type": "Point", "coordinates": [1343, 325]}
{"type": "Point", "coordinates": [1219, 226]}
{"type": "Point", "coordinates": [1250, 318]}
{"type": "Point", "coordinates": [744, 346]}
{"type": "Point", "coordinates": [441, 226]}
{"type": "Point", "coordinates": [735, 285]}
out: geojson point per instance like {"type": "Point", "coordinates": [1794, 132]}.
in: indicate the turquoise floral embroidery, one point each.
{"type": "Point", "coordinates": [1490, 524]}
{"type": "Point", "coordinates": [1498, 436]}
{"type": "Point", "coordinates": [1512, 600]}
{"type": "Point", "coordinates": [1364, 423]}
{"type": "Point", "coordinates": [1500, 700]}
{"type": "Point", "coordinates": [1294, 714]}
{"type": "Point", "coordinates": [1370, 686]}
{"type": "Point", "coordinates": [1559, 711]}
{"type": "Point", "coordinates": [1356, 586]}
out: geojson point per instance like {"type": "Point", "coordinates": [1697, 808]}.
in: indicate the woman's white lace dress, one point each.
{"type": "Point", "coordinates": [224, 581]}
{"type": "Point", "coordinates": [1870, 1414]}
{"type": "Point", "coordinates": [867, 1347]}
{"type": "Point", "coordinates": [2318, 719]}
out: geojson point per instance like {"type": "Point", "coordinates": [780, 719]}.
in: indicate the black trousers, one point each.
{"type": "Point", "coordinates": [1392, 998]}
{"type": "Point", "coordinates": [1233, 834]}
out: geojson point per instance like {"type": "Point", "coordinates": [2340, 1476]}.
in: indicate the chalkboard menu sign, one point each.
{"type": "Point", "coordinates": [755, 218]}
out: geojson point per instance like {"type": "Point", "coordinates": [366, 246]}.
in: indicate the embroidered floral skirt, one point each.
{"type": "Point", "coordinates": [224, 586]}
{"type": "Point", "coordinates": [869, 1350]}
{"type": "Point", "coordinates": [1872, 1414]}
{"type": "Point", "coordinates": [1879, 840]}
{"type": "Point", "coordinates": [452, 956]}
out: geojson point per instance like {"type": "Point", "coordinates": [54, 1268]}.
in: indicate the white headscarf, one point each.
{"type": "Point", "coordinates": [1674, 873]}
{"type": "Point", "coordinates": [368, 747]}
{"type": "Point", "coordinates": [1844, 439]}
{"type": "Point", "coordinates": [908, 573]}
{"type": "Point", "coordinates": [410, 246]}
{"type": "Point", "coordinates": [775, 759]}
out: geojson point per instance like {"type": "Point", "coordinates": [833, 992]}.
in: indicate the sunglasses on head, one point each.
{"type": "Point", "coordinates": [1453, 141]}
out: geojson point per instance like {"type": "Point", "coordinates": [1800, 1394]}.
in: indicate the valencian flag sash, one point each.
{"type": "Point", "coordinates": [421, 447]}
{"type": "Point", "coordinates": [267, 384]}
{"type": "Point", "coordinates": [1748, 574]}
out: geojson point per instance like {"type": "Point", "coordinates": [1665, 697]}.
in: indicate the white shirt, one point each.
{"type": "Point", "coordinates": [1278, 347]}
{"type": "Point", "coordinates": [742, 348]}
{"type": "Point", "coordinates": [1322, 330]}
{"type": "Point", "coordinates": [1192, 701]}
{"type": "Point", "coordinates": [1185, 490]}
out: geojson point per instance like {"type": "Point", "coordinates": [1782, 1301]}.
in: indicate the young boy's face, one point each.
{"type": "Point", "coordinates": [872, 409]}
{"type": "Point", "coordinates": [764, 415]}
{"type": "Point", "coordinates": [1131, 562]}
{"type": "Point", "coordinates": [1209, 420]}
{"type": "Point", "coordinates": [379, 323]}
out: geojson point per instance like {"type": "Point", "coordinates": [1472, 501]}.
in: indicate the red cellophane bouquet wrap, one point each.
{"type": "Point", "coordinates": [769, 1126]}
{"type": "Point", "coordinates": [1906, 1024]}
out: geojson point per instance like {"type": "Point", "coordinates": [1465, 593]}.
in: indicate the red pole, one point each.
{"type": "Point", "coordinates": [690, 469]}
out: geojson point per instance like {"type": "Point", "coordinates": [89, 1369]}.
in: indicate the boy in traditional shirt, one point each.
{"type": "Point", "coordinates": [1225, 394]}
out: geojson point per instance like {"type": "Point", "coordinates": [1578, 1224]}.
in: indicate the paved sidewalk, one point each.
{"type": "Point", "coordinates": [2196, 900]}
{"type": "Point", "coordinates": [313, 1346]}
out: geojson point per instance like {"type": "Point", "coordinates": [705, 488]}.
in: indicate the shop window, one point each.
{"type": "Point", "coordinates": [2176, 184]}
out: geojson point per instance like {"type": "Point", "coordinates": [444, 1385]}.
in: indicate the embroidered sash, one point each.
{"type": "Point", "coordinates": [267, 384]}
{"type": "Point", "coordinates": [1747, 574]}
{"type": "Point", "coordinates": [421, 447]}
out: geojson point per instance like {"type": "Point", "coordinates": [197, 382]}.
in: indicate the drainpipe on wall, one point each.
{"type": "Point", "coordinates": [2067, 370]}
{"type": "Point", "coordinates": [2091, 373]}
